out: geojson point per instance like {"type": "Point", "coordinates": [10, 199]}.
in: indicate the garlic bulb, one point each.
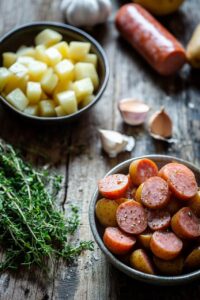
{"type": "Point", "coordinates": [160, 125]}
{"type": "Point", "coordinates": [133, 112]}
{"type": "Point", "coordinates": [114, 142]}
{"type": "Point", "coordinates": [86, 12]}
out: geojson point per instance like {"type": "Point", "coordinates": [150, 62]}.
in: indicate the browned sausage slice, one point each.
{"type": "Point", "coordinates": [155, 193]}
{"type": "Point", "coordinates": [158, 219]}
{"type": "Point", "coordinates": [185, 224]}
{"type": "Point", "coordinates": [131, 217]}
{"type": "Point", "coordinates": [165, 245]}
{"type": "Point", "coordinates": [181, 180]}
{"type": "Point", "coordinates": [157, 45]}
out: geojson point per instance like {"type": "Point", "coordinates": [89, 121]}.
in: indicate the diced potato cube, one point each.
{"type": "Point", "coordinates": [49, 81]}
{"type": "Point", "coordinates": [78, 50]}
{"type": "Point", "coordinates": [16, 82]}
{"type": "Point", "coordinates": [44, 96]}
{"type": "Point", "coordinates": [33, 92]}
{"type": "Point", "coordinates": [47, 108]}
{"type": "Point", "coordinates": [26, 51]}
{"type": "Point", "coordinates": [53, 55]}
{"type": "Point", "coordinates": [36, 70]}
{"type": "Point", "coordinates": [17, 99]}
{"type": "Point", "coordinates": [67, 100]}
{"type": "Point", "coordinates": [86, 100]}
{"type": "Point", "coordinates": [19, 70]}
{"type": "Point", "coordinates": [48, 37]}
{"type": "Point", "coordinates": [9, 58]}
{"type": "Point", "coordinates": [84, 70]}
{"type": "Point", "coordinates": [25, 60]}
{"type": "Point", "coordinates": [83, 88]}
{"type": "Point", "coordinates": [91, 58]}
{"type": "Point", "coordinates": [31, 110]}
{"type": "Point", "coordinates": [63, 48]}
{"type": "Point", "coordinates": [60, 111]}
{"type": "Point", "coordinates": [5, 76]}
{"type": "Point", "coordinates": [65, 70]}
{"type": "Point", "coordinates": [40, 54]}
{"type": "Point", "coordinates": [62, 86]}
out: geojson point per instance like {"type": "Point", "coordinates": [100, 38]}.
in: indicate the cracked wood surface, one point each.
{"type": "Point", "coordinates": [74, 151]}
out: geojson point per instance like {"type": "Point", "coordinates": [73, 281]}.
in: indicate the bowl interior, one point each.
{"type": "Point", "coordinates": [25, 35]}
{"type": "Point", "coordinates": [98, 230]}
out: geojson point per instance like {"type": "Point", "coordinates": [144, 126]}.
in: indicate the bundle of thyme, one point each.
{"type": "Point", "coordinates": [31, 229]}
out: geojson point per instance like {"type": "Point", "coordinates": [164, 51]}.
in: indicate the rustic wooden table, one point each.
{"type": "Point", "coordinates": [74, 151]}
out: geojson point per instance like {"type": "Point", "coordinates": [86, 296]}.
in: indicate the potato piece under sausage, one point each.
{"type": "Point", "coordinates": [185, 224]}
{"type": "Point", "coordinates": [117, 241]}
{"type": "Point", "coordinates": [165, 245]}
{"type": "Point", "coordinates": [194, 204]}
{"type": "Point", "coordinates": [106, 212]}
{"type": "Point", "coordinates": [170, 267]}
{"type": "Point", "coordinates": [140, 261]}
{"type": "Point", "coordinates": [193, 259]}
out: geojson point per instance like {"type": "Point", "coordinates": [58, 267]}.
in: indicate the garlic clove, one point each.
{"type": "Point", "coordinates": [133, 112]}
{"type": "Point", "coordinates": [160, 125]}
{"type": "Point", "coordinates": [114, 142]}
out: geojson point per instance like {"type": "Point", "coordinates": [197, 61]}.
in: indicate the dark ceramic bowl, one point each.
{"type": "Point", "coordinates": [97, 229]}
{"type": "Point", "coordinates": [25, 35]}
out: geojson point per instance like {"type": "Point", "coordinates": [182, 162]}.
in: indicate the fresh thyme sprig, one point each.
{"type": "Point", "coordinates": [31, 229]}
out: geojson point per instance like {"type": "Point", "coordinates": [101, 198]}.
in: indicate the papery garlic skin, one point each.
{"type": "Point", "coordinates": [86, 12]}
{"type": "Point", "coordinates": [160, 124]}
{"type": "Point", "coordinates": [114, 142]}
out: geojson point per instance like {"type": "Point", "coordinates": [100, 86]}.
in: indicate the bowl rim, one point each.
{"type": "Point", "coordinates": [78, 31]}
{"type": "Point", "coordinates": [148, 278]}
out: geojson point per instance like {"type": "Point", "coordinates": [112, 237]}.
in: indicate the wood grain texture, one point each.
{"type": "Point", "coordinates": [74, 151]}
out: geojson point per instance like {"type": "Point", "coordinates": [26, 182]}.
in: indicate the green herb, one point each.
{"type": "Point", "coordinates": [31, 229]}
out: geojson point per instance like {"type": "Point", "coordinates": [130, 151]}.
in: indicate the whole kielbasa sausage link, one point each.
{"type": "Point", "coordinates": [157, 45]}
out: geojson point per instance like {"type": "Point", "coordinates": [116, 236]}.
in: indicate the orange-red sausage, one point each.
{"type": "Point", "coordinates": [165, 245]}
{"type": "Point", "coordinates": [155, 43]}
{"type": "Point", "coordinates": [142, 169]}
{"type": "Point", "coordinates": [185, 224]}
{"type": "Point", "coordinates": [113, 186]}
{"type": "Point", "coordinates": [158, 219]}
{"type": "Point", "coordinates": [155, 193]}
{"type": "Point", "coordinates": [131, 217]}
{"type": "Point", "coordinates": [117, 241]}
{"type": "Point", "coordinates": [181, 180]}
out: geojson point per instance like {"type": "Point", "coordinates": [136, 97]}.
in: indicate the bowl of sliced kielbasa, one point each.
{"type": "Point", "coordinates": [145, 217]}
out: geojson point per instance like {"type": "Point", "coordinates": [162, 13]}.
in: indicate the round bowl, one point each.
{"type": "Point", "coordinates": [25, 35]}
{"type": "Point", "coordinates": [97, 229]}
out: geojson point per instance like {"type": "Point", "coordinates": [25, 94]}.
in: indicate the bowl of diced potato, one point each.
{"type": "Point", "coordinates": [51, 72]}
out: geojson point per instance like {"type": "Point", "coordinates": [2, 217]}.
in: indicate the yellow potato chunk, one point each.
{"type": "Point", "coordinates": [67, 100]}
{"type": "Point", "coordinates": [25, 60]}
{"type": "Point", "coordinates": [140, 261]}
{"type": "Point", "coordinates": [9, 58]}
{"type": "Point", "coordinates": [65, 70]}
{"type": "Point", "coordinates": [26, 51]}
{"type": "Point", "coordinates": [48, 37]}
{"type": "Point", "coordinates": [62, 86]}
{"type": "Point", "coordinates": [83, 88]}
{"type": "Point", "coordinates": [31, 110]}
{"type": "Point", "coordinates": [4, 77]}
{"type": "Point", "coordinates": [84, 70]}
{"type": "Point", "coordinates": [78, 50]}
{"type": "Point", "coordinates": [36, 70]}
{"type": "Point", "coordinates": [47, 108]}
{"type": "Point", "coordinates": [63, 48]}
{"type": "Point", "coordinates": [15, 82]}
{"type": "Point", "coordinates": [49, 81]}
{"type": "Point", "coordinates": [18, 99]}
{"type": "Point", "coordinates": [40, 54]}
{"type": "Point", "coordinates": [86, 100]}
{"type": "Point", "coordinates": [60, 111]}
{"type": "Point", "coordinates": [106, 212]}
{"type": "Point", "coordinates": [33, 92]}
{"type": "Point", "coordinates": [91, 58]}
{"type": "Point", "coordinates": [53, 56]}
{"type": "Point", "coordinates": [19, 70]}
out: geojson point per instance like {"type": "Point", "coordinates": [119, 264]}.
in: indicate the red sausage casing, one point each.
{"type": "Point", "coordinates": [155, 43]}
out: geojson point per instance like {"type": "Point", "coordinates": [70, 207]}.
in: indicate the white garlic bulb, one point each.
{"type": "Point", "coordinates": [86, 12]}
